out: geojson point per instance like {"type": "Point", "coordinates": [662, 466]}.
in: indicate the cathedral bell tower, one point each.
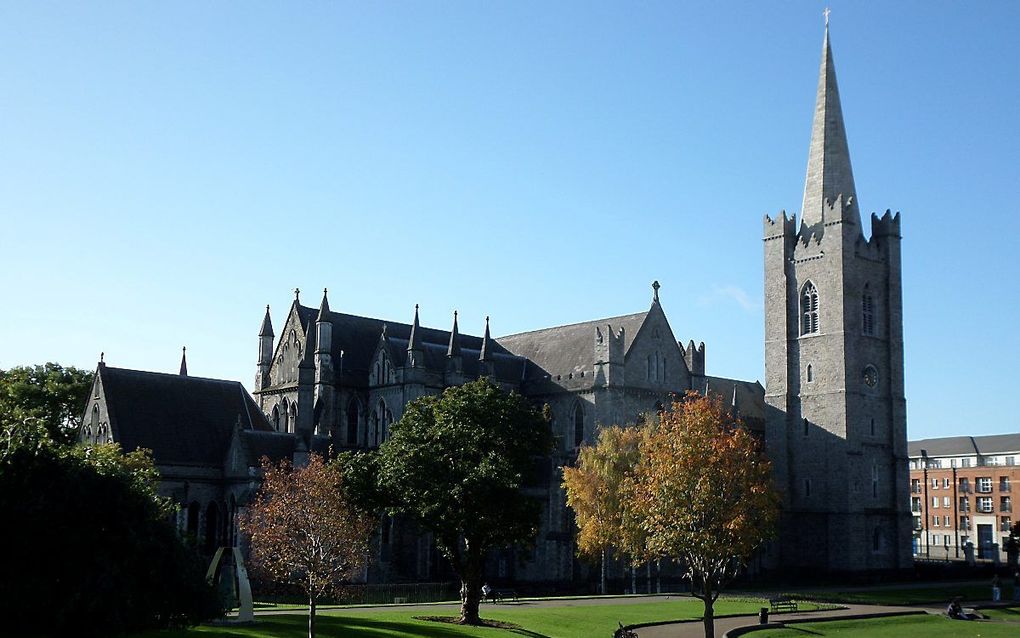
{"type": "Point", "coordinates": [836, 413]}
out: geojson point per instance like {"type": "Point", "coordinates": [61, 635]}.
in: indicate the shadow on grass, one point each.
{"type": "Point", "coordinates": [803, 631]}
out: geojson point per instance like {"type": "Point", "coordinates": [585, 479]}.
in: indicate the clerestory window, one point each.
{"type": "Point", "coordinates": [809, 309]}
{"type": "Point", "coordinates": [578, 425]}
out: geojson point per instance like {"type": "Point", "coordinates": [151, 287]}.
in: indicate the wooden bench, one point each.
{"type": "Point", "coordinates": [782, 604]}
{"type": "Point", "coordinates": [503, 595]}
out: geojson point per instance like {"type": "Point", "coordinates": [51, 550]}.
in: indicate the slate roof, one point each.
{"type": "Point", "coordinates": [183, 420]}
{"type": "Point", "coordinates": [987, 445]}
{"type": "Point", "coordinates": [750, 396]}
{"type": "Point", "coordinates": [358, 338]}
{"type": "Point", "coordinates": [566, 349]}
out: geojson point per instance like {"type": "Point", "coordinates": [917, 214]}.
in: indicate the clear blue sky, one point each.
{"type": "Point", "coordinates": [167, 169]}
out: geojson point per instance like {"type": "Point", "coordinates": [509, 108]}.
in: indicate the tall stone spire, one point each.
{"type": "Point", "coordinates": [828, 171]}
{"type": "Point", "coordinates": [267, 325]}
{"type": "Point", "coordinates": [323, 307]}
{"type": "Point", "coordinates": [415, 352]}
{"type": "Point", "coordinates": [184, 361]}
{"type": "Point", "coordinates": [454, 349]}
{"type": "Point", "coordinates": [486, 352]}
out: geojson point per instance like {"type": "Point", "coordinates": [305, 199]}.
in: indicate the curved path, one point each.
{"type": "Point", "coordinates": [695, 629]}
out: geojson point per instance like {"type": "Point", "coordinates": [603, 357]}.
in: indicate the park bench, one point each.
{"type": "Point", "coordinates": [503, 595]}
{"type": "Point", "coordinates": [782, 604]}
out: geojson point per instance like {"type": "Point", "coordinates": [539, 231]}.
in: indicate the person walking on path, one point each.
{"type": "Point", "coordinates": [996, 589]}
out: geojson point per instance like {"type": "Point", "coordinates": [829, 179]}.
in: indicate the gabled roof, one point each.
{"type": "Point", "coordinates": [565, 349]}
{"type": "Point", "coordinates": [750, 397]}
{"type": "Point", "coordinates": [183, 420]}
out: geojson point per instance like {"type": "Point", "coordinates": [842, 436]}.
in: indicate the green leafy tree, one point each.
{"type": "Point", "coordinates": [51, 393]}
{"type": "Point", "coordinates": [458, 464]}
{"type": "Point", "coordinates": [92, 551]}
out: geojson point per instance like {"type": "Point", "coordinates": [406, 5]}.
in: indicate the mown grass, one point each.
{"type": "Point", "coordinates": [903, 596]}
{"type": "Point", "coordinates": [1002, 614]}
{"type": "Point", "coordinates": [570, 619]}
{"type": "Point", "coordinates": [895, 627]}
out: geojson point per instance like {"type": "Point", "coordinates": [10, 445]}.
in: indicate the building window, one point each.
{"type": "Point", "coordinates": [945, 521]}
{"type": "Point", "coordinates": [1005, 523]}
{"type": "Point", "coordinates": [806, 427]}
{"type": "Point", "coordinates": [353, 415]}
{"type": "Point", "coordinates": [984, 484]}
{"type": "Point", "coordinates": [935, 502]}
{"type": "Point", "coordinates": [578, 424]}
{"type": "Point", "coordinates": [873, 427]}
{"type": "Point", "coordinates": [952, 463]}
{"type": "Point", "coordinates": [868, 311]}
{"type": "Point", "coordinates": [935, 538]}
{"type": "Point", "coordinates": [936, 521]}
{"type": "Point", "coordinates": [934, 484]}
{"type": "Point", "coordinates": [94, 425]}
{"type": "Point", "coordinates": [810, 374]}
{"type": "Point", "coordinates": [964, 522]}
{"type": "Point", "coordinates": [915, 504]}
{"type": "Point", "coordinates": [874, 480]}
{"type": "Point", "coordinates": [947, 482]}
{"type": "Point", "coordinates": [965, 463]}
{"type": "Point", "coordinates": [1010, 460]}
{"type": "Point", "coordinates": [964, 504]}
{"type": "Point", "coordinates": [1003, 483]}
{"type": "Point", "coordinates": [276, 418]}
{"type": "Point", "coordinates": [1005, 504]}
{"type": "Point", "coordinates": [945, 502]}
{"type": "Point", "coordinates": [964, 485]}
{"type": "Point", "coordinates": [984, 504]}
{"type": "Point", "coordinates": [807, 487]}
{"type": "Point", "coordinates": [809, 309]}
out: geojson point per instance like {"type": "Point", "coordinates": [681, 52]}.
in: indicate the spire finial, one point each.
{"type": "Point", "coordinates": [297, 295]}
{"type": "Point", "coordinates": [267, 325]}
{"type": "Point", "coordinates": [826, 14]}
{"type": "Point", "coordinates": [324, 306]}
{"type": "Point", "coordinates": [184, 361]}
{"type": "Point", "coordinates": [414, 342]}
{"type": "Point", "coordinates": [655, 291]}
{"type": "Point", "coordinates": [102, 355]}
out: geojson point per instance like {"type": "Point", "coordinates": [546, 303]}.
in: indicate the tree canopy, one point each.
{"type": "Point", "coordinates": [51, 393]}
{"type": "Point", "coordinates": [458, 464]}
{"type": "Point", "coordinates": [702, 491]}
{"type": "Point", "coordinates": [92, 549]}
{"type": "Point", "coordinates": [595, 492]}
{"type": "Point", "coordinates": [305, 529]}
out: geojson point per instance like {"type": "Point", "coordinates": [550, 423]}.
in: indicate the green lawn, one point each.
{"type": "Point", "coordinates": [573, 619]}
{"type": "Point", "coordinates": [1003, 614]}
{"type": "Point", "coordinates": [896, 627]}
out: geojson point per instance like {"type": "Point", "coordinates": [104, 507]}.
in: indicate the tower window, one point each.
{"type": "Point", "coordinates": [809, 309]}
{"type": "Point", "coordinates": [806, 427]}
{"type": "Point", "coordinates": [867, 312]}
{"type": "Point", "coordinates": [807, 487]}
{"type": "Point", "coordinates": [810, 374]}
{"type": "Point", "coordinates": [873, 433]}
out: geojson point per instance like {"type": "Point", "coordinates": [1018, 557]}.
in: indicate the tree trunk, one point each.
{"type": "Point", "coordinates": [709, 617]}
{"type": "Point", "coordinates": [311, 617]}
{"type": "Point", "coordinates": [602, 585]}
{"type": "Point", "coordinates": [470, 590]}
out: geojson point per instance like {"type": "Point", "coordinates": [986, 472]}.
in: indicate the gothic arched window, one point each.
{"type": "Point", "coordinates": [94, 425]}
{"type": "Point", "coordinates": [810, 374]}
{"type": "Point", "coordinates": [578, 424]}
{"type": "Point", "coordinates": [374, 435]}
{"type": "Point", "coordinates": [352, 422]}
{"type": "Point", "coordinates": [809, 309]}
{"type": "Point", "coordinates": [286, 416]}
{"type": "Point", "coordinates": [292, 421]}
{"type": "Point", "coordinates": [867, 311]}
{"type": "Point", "coordinates": [276, 418]}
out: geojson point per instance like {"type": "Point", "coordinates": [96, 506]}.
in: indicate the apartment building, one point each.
{"type": "Point", "coordinates": [961, 490]}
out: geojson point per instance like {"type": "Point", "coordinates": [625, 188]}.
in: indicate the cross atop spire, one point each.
{"type": "Point", "coordinates": [184, 361]}
{"type": "Point", "coordinates": [829, 174]}
{"type": "Point", "coordinates": [655, 291]}
{"type": "Point", "coordinates": [297, 295]}
{"type": "Point", "coordinates": [826, 14]}
{"type": "Point", "coordinates": [267, 325]}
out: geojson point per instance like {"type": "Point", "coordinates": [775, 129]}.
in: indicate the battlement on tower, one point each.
{"type": "Point", "coordinates": [781, 226]}
{"type": "Point", "coordinates": [888, 225]}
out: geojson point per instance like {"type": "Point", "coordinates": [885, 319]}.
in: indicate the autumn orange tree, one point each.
{"type": "Point", "coordinates": [702, 491]}
{"type": "Point", "coordinates": [594, 488]}
{"type": "Point", "coordinates": [304, 529]}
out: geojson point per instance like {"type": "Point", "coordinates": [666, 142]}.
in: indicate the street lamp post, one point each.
{"type": "Point", "coordinates": [956, 514]}
{"type": "Point", "coordinates": [927, 532]}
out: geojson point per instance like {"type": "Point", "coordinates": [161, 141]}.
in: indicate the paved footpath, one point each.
{"type": "Point", "coordinates": [695, 629]}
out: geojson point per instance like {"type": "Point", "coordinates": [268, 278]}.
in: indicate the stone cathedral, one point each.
{"type": "Point", "coordinates": [832, 413]}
